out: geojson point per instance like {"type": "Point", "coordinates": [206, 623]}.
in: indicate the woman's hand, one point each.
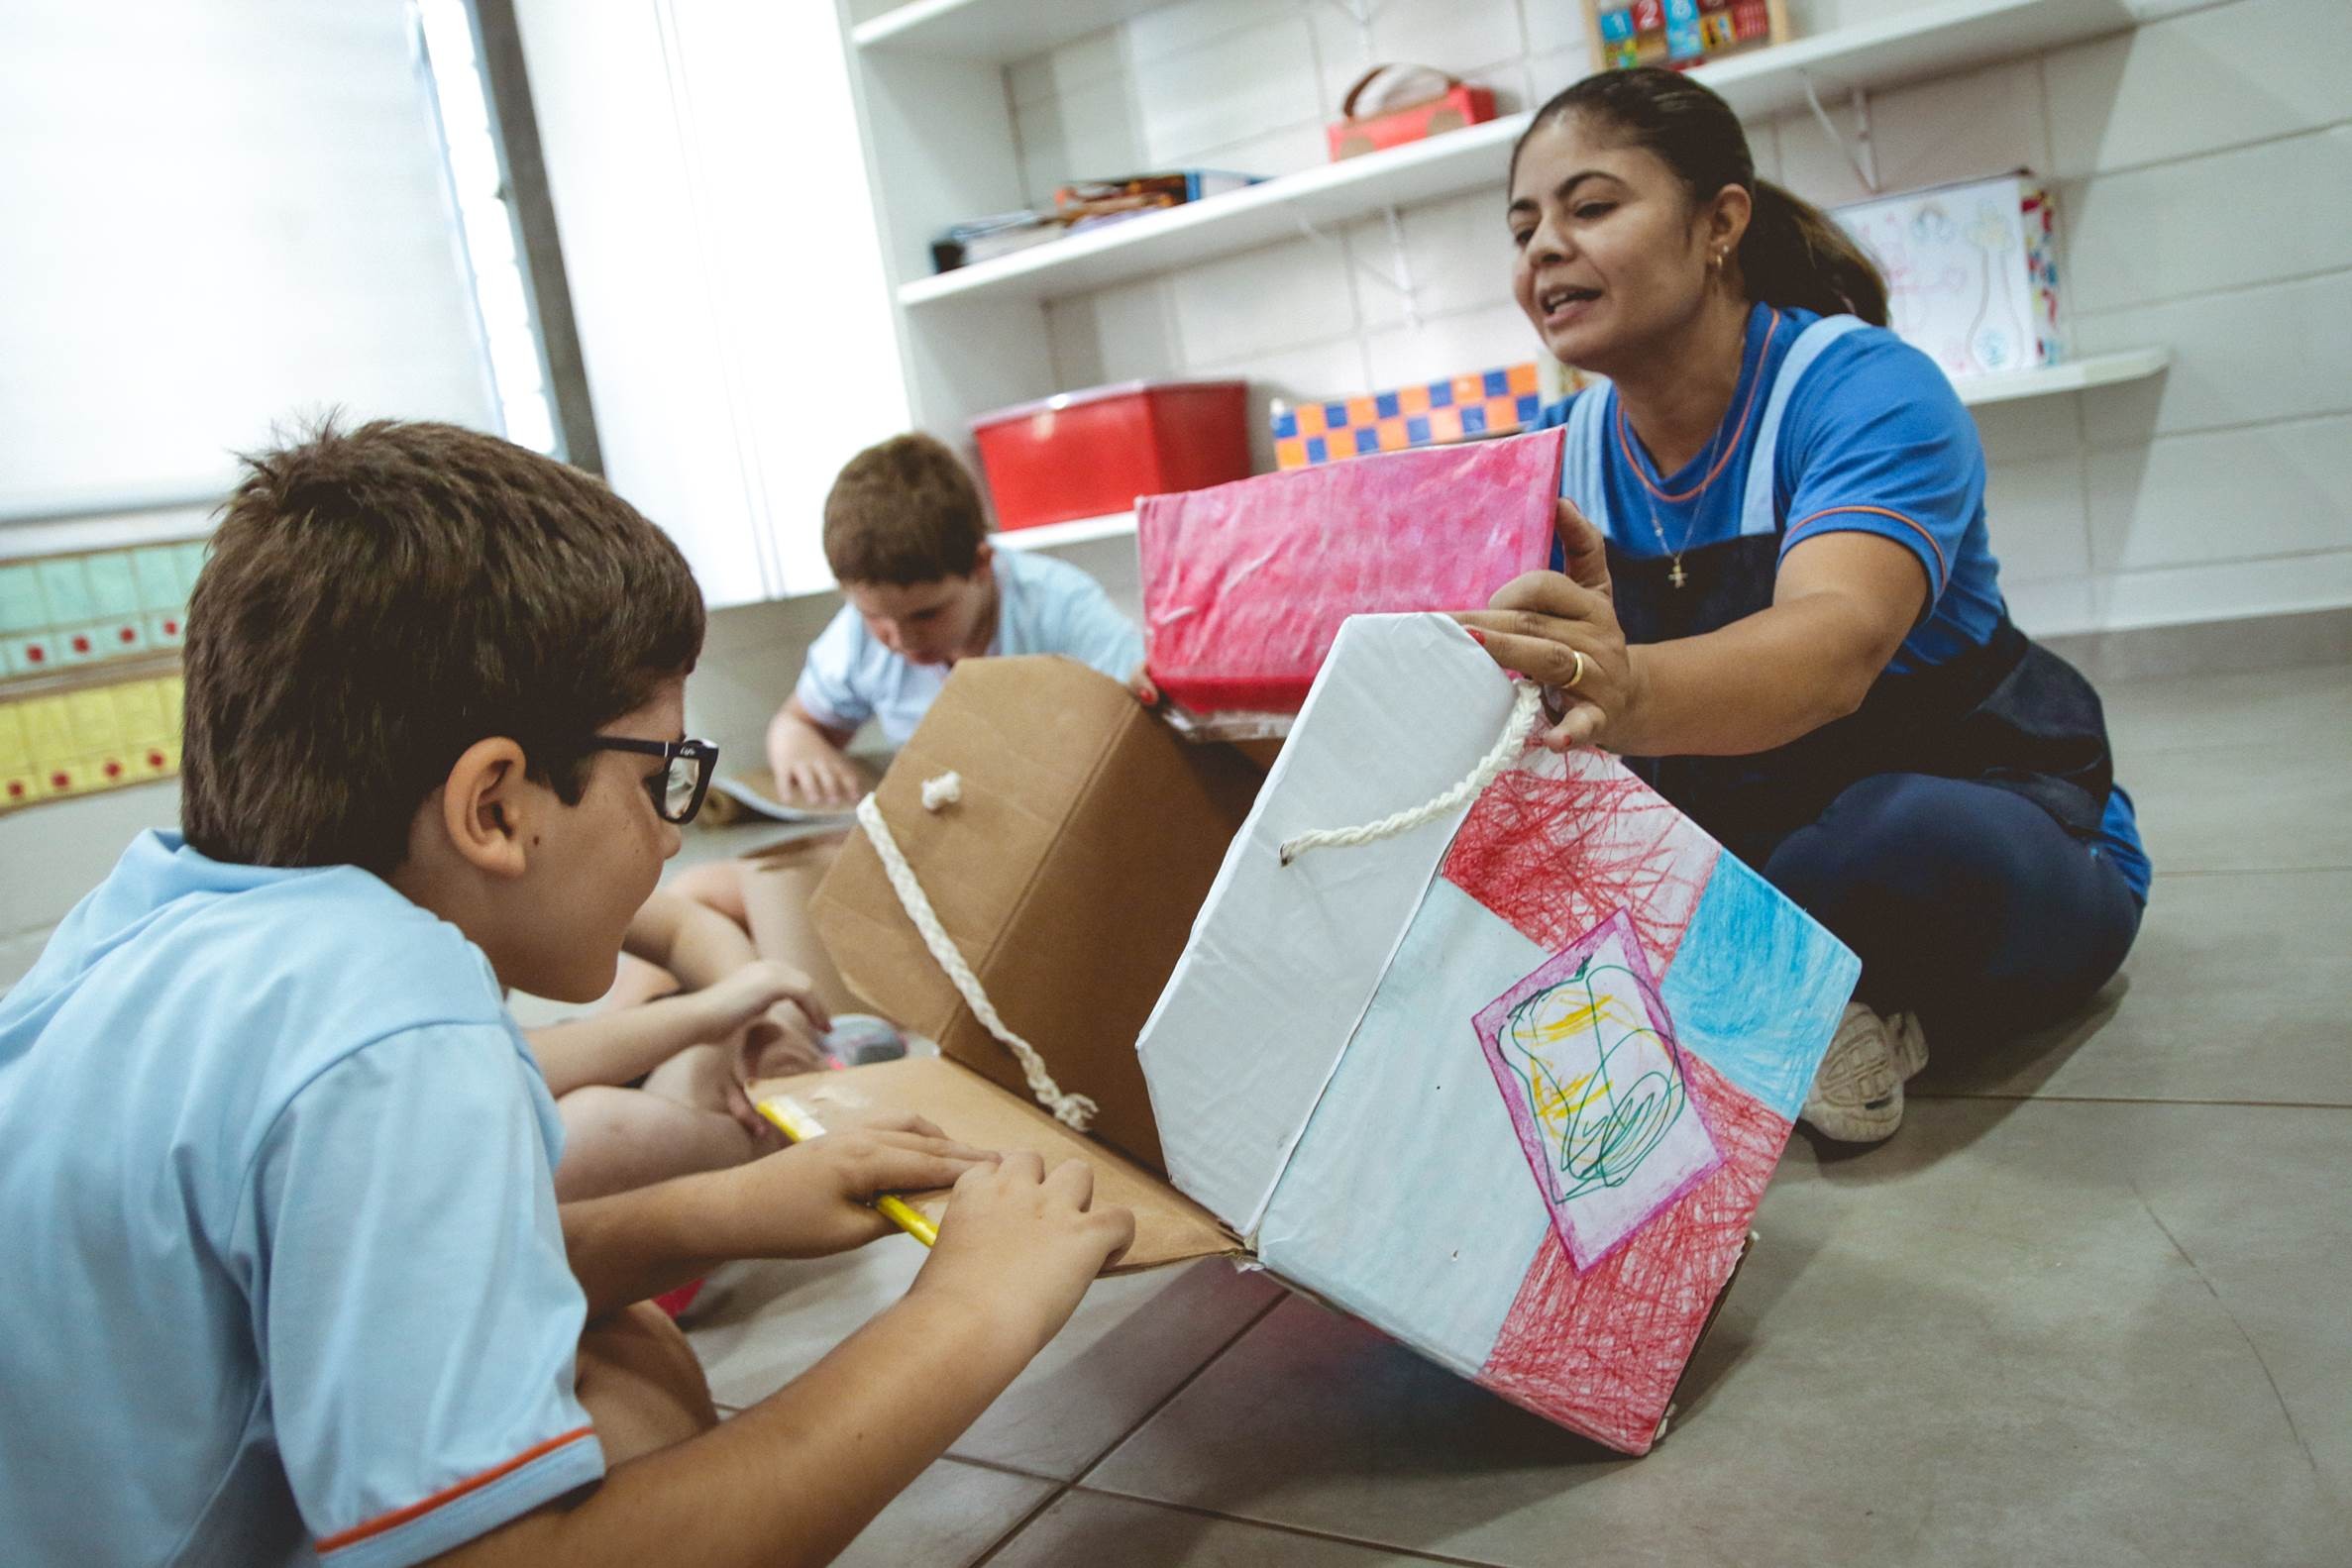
{"type": "Point", "coordinates": [1561, 632]}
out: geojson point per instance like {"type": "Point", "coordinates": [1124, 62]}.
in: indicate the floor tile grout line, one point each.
{"type": "Point", "coordinates": [1062, 1488]}
{"type": "Point", "coordinates": [1003, 1469]}
{"type": "Point", "coordinates": [1189, 1379]}
{"type": "Point", "coordinates": [1308, 1531]}
{"type": "Point", "coordinates": [2128, 1099]}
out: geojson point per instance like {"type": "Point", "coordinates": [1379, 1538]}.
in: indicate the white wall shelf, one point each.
{"type": "Point", "coordinates": [2102, 370]}
{"type": "Point", "coordinates": [1912, 45]}
{"type": "Point", "coordinates": [1278, 209]}
{"type": "Point", "coordinates": [1916, 43]}
{"type": "Point", "coordinates": [997, 32]}
{"type": "Point", "coordinates": [1045, 536]}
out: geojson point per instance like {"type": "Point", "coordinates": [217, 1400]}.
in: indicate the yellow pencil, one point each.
{"type": "Point", "coordinates": [793, 1121]}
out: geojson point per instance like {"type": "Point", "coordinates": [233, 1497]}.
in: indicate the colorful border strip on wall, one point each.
{"type": "Point", "coordinates": [78, 742]}
{"type": "Point", "coordinates": [61, 612]}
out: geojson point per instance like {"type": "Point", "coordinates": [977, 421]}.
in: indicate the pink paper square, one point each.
{"type": "Point", "coordinates": [1584, 1055]}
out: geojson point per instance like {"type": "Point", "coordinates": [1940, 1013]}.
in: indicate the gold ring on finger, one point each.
{"type": "Point", "coordinates": [1570, 684]}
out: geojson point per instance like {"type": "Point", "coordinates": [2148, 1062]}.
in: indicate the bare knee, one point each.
{"type": "Point", "coordinates": [598, 1113]}
{"type": "Point", "coordinates": [612, 1138]}
{"type": "Point", "coordinates": [640, 1383]}
{"type": "Point", "coordinates": [619, 1138]}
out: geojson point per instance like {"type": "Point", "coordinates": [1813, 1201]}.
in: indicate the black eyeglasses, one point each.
{"type": "Point", "coordinates": [678, 790]}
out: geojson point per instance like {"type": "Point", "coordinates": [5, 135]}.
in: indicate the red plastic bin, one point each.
{"type": "Point", "coordinates": [1090, 454]}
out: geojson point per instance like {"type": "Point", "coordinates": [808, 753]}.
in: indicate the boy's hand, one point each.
{"type": "Point", "coordinates": [1140, 683]}
{"type": "Point", "coordinates": [814, 1198]}
{"type": "Point", "coordinates": [1020, 1242]}
{"type": "Point", "coordinates": [810, 768]}
{"type": "Point", "coordinates": [773, 1018]}
{"type": "Point", "coordinates": [762, 989]}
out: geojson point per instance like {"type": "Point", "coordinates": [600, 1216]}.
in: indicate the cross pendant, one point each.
{"type": "Point", "coordinates": [1676, 575]}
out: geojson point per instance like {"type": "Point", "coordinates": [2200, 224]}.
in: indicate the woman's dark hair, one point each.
{"type": "Point", "coordinates": [1792, 253]}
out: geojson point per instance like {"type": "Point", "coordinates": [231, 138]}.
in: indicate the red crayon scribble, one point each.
{"type": "Point", "coordinates": [1600, 1352]}
{"type": "Point", "coordinates": [1555, 857]}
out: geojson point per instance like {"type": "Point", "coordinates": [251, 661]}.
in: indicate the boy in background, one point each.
{"type": "Point", "coordinates": [291, 1280]}
{"type": "Point", "coordinates": [906, 537]}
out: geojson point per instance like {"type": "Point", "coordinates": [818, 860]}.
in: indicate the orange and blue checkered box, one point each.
{"type": "Point", "coordinates": [1432, 413]}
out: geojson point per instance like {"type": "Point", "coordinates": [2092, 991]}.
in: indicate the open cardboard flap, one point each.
{"type": "Point", "coordinates": [1169, 1227]}
{"type": "Point", "coordinates": [1067, 873]}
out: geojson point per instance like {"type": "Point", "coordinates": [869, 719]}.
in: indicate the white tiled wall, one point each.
{"type": "Point", "coordinates": [2200, 163]}
{"type": "Point", "coordinates": [2202, 167]}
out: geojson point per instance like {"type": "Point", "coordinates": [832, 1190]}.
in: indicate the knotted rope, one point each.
{"type": "Point", "coordinates": [1525, 706]}
{"type": "Point", "coordinates": [1072, 1111]}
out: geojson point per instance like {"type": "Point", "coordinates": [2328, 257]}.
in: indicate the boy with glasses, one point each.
{"type": "Point", "coordinates": [291, 1280]}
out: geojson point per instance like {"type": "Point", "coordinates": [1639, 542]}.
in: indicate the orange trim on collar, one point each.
{"type": "Point", "coordinates": [1625, 440]}
{"type": "Point", "coordinates": [1943, 568]}
{"type": "Point", "coordinates": [399, 1517]}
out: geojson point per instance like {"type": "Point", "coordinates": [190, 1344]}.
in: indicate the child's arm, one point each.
{"type": "Point", "coordinates": [626, 1044]}
{"type": "Point", "coordinates": [792, 1480]}
{"type": "Point", "coordinates": [804, 752]}
{"type": "Point", "coordinates": [707, 951]}
{"type": "Point", "coordinates": [692, 941]}
{"type": "Point", "coordinates": [809, 1201]}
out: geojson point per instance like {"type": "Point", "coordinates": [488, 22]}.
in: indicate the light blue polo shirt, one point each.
{"type": "Point", "coordinates": [285, 1275]}
{"type": "Point", "coordinates": [1047, 606]}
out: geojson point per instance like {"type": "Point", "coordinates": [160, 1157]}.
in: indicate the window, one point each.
{"type": "Point", "coordinates": [505, 309]}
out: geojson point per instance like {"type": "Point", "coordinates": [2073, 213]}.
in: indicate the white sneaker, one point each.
{"type": "Point", "coordinates": [1858, 1094]}
{"type": "Point", "coordinates": [1908, 1042]}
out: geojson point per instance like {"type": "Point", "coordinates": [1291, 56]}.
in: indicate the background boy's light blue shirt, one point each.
{"type": "Point", "coordinates": [286, 1273]}
{"type": "Point", "coordinates": [1046, 606]}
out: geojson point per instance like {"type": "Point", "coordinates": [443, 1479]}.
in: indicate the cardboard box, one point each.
{"type": "Point", "coordinates": [1169, 1227]}
{"type": "Point", "coordinates": [1330, 1082]}
{"type": "Point", "coordinates": [1067, 874]}
{"type": "Point", "coordinates": [1971, 272]}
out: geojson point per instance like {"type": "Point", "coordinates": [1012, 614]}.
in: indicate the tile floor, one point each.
{"type": "Point", "coordinates": [2093, 1306]}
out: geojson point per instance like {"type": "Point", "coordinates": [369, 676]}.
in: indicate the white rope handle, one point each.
{"type": "Point", "coordinates": [1525, 705]}
{"type": "Point", "coordinates": [1072, 1111]}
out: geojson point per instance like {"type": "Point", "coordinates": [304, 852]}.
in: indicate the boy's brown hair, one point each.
{"type": "Point", "coordinates": [902, 512]}
{"type": "Point", "coordinates": [376, 602]}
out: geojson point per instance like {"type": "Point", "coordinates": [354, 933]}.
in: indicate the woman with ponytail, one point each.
{"type": "Point", "coordinates": [1776, 598]}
